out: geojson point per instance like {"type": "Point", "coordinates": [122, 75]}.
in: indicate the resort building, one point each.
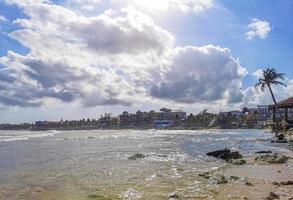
{"type": "Point", "coordinates": [285, 108]}
{"type": "Point", "coordinates": [263, 110]}
{"type": "Point", "coordinates": [234, 113]}
{"type": "Point", "coordinates": [163, 124]}
{"type": "Point", "coordinates": [172, 115]}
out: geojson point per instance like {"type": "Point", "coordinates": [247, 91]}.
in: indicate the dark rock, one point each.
{"type": "Point", "coordinates": [264, 152]}
{"type": "Point", "coordinates": [286, 183]}
{"type": "Point", "coordinates": [281, 137]}
{"type": "Point", "coordinates": [275, 158]}
{"type": "Point", "coordinates": [234, 178]}
{"type": "Point", "coordinates": [272, 196]}
{"type": "Point", "coordinates": [238, 162]}
{"type": "Point", "coordinates": [218, 179]}
{"type": "Point", "coordinates": [281, 141]}
{"type": "Point", "coordinates": [248, 183]}
{"type": "Point", "coordinates": [174, 196]}
{"type": "Point", "coordinates": [218, 153]}
{"type": "Point", "coordinates": [231, 155]}
{"type": "Point", "coordinates": [225, 154]}
{"type": "Point", "coordinates": [162, 156]}
{"type": "Point", "coordinates": [205, 175]}
{"type": "Point", "coordinates": [137, 156]}
{"type": "Point", "coordinates": [276, 183]}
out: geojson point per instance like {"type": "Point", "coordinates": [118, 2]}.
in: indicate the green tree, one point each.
{"type": "Point", "coordinates": [271, 77]}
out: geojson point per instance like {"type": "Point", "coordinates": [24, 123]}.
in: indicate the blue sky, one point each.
{"type": "Point", "coordinates": [165, 57]}
{"type": "Point", "coordinates": [226, 27]}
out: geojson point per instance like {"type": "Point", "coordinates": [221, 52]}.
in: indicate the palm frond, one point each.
{"type": "Point", "coordinates": [280, 76]}
{"type": "Point", "coordinates": [263, 86]}
{"type": "Point", "coordinates": [278, 83]}
{"type": "Point", "coordinates": [270, 77]}
{"type": "Point", "coordinates": [258, 84]}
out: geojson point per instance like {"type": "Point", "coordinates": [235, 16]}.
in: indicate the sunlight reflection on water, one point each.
{"type": "Point", "coordinates": [78, 163]}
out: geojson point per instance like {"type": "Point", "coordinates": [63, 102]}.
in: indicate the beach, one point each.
{"type": "Point", "coordinates": [140, 164]}
{"type": "Point", "coordinates": [254, 181]}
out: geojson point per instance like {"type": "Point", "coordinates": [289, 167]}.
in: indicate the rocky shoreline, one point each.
{"type": "Point", "coordinates": [264, 172]}
{"type": "Point", "coordinates": [264, 175]}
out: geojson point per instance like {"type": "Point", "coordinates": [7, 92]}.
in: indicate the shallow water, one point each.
{"type": "Point", "coordinates": [95, 165]}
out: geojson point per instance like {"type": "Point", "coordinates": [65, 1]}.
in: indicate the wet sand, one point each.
{"type": "Point", "coordinates": [256, 181]}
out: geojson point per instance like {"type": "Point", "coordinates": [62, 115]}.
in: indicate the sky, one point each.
{"type": "Point", "coordinates": [75, 59]}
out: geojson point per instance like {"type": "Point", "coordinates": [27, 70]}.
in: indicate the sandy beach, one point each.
{"type": "Point", "coordinates": [254, 180]}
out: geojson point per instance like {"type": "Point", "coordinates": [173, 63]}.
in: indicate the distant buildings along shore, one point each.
{"type": "Point", "coordinates": [256, 117]}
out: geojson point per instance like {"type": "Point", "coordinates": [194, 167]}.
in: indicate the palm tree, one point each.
{"type": "Point", "coordinates": [271, 77]}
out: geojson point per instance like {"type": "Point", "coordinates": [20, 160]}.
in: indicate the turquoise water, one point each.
{"type": "Point", "coordinates": [95, 165]}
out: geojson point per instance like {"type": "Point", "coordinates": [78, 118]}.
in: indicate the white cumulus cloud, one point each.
{"type": "Point", "coordinates": [258, 28]}
{"type": "Point", "coordinates": [119, 57]}
{"type": "Point", "coordinates": [2, 18]}
{"type": "Point", "coordinates": [86, 5]}
{"type": "Point", "coordinates": [183, 6]}
{"type": "Point", "coordinates": [201, 74]}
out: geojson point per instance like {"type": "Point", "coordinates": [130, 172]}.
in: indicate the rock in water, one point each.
{"type": "Point", "coordinates": [281, 136]}
{"type": "Point", "coordinates": [234, 178]}
{"type": "Point", "coordinates": [205, 175]}
{"type": "Point", "coordinates": [275, 158]}
{"type": "Point", "coordinates": [263, 152]}
{"type": "Point", "coordinates": [225, 154]}
{"type": "Point", "coordinates": [231, 155]}
{"type": "Point", "coordinates": [218, 179]}
{"type": "Point", "coordinates": [137, 156]}
{"type": "Point", "coordinates": [280, 139]}
{"type": "Point", "coordinates": [218, 153]}
{"type": "Point", "coordinates": [238, 162]}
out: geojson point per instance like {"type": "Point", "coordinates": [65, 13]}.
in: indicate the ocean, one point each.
{"type": "Point", "coordinates": [95, 164]}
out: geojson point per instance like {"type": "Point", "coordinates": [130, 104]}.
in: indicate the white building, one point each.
{"type": "Point", "coordinates": [234, 113]}
{"type": "Point", "coordinates": [173, 114]}
{"type": "Point", "coordinates": [263, 110]}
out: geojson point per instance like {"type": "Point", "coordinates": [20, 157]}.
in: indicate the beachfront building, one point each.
{"type": "Point", "coordinates": [285, 108]}
{"type": "Point", "coordinates": [106, 121]}
{"type": "Point", "coordinates": [163, 124]}
{"type": "Point", "coordinates": [126, 120]}
{"type": "Point", "coordinates": [234, 113]}
{"type": "Point", "coordinates": [231, 119]}
{"type": "Point", "coordinates": [151, 119]}
{"type": "Point", "coordinates": [136, 120]}
{"type": "Point", "coordinates": [253, 120]}
{"type": "Point", "coordinates": [263, 110]}
{"type": "Point", "coordinates": [172, 114]}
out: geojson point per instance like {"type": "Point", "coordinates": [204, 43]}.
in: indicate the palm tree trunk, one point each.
{"type": "Point", "coordinates": [276, 104]}
{"type": "Point", "coordinates": [273, 96]}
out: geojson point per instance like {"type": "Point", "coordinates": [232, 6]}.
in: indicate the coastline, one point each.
{"type": "Point", "coordinates": [253, 180]}
{"type": "Point", "coordinates": [173, 178]}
